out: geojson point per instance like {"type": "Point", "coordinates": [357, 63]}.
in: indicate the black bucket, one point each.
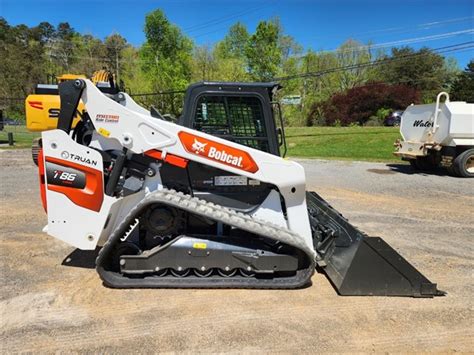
{"type": "Point", "coordinates": [358, 265]}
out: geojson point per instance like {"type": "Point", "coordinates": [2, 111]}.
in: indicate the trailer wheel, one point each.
{"type": "Point", "coordinates": [452, 170]}
{"type": "Point", "coordinates": [464, 163]}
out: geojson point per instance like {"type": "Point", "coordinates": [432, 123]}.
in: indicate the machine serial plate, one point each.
{"type": "Point", "coordinates": [230, 180]}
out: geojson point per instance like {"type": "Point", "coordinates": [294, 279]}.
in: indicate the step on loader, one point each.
{"type": "Point", "coordinates": [204, 202]}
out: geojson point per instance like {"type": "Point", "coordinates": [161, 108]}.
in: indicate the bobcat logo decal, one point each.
{"type": "Point", "coordinates": [198, 147]}
{"type": "Point", "coordinates": [218, 152]}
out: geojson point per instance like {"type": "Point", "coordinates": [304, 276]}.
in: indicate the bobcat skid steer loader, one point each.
{"type": "Point", "coordinates": [207, 202]}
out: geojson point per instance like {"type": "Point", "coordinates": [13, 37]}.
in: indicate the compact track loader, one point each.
{"type": "Point", "coordinates": [206, 202]}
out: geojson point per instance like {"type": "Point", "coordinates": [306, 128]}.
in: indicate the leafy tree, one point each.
{"type": "Point", "coordinates": [92, 55]}
{"type": "Point", "coordinates": [358, 104]}
{"type": "Point", "coordinates": [291, 54]}
{"type": "Point", "coordinates": [229, 61]}
{"type": "Point", "coordinates": [463, 87]}
{"type": "Point", "coordinates": [204, 63]}
{"type": "Point", "coordinates": [234, 43]}
{"type": "Point", "coordinates": [64, 46]}
{"type": "Point", "coordinates": [166, 56]}
{"type": "Point", "coordinates": [114, 45]}
{"type": "Point", "coordinates": [44, 32]}
{"type": "Point", "coordinates": [352, 54]}
{"type": "Point", "coordinates": [4, 29]}
{"type": "Point", "coordinates": [65, 31]}
{"type": "Point", "coordinates": [21, 59]}
{"type": "Point", "coordinates": [289, 47]}
{"type": "Point", "coordinates": [165, 39]}
{"type": "Point", "coordinates": [451, 73]}
{"type": "Point", "coordinates": [423, 70]}
{"type": "Point", "coordinates": [286, 43]}
{"type": "Point", "coordinates": [319, 88]}
{"type": "Point", "coordinates": [168, 60]}
{"type": "Point", "coordinates": [263, 52]}
{"type": "Point", "coordinates": [232, 69]}
{"type": "Point", "coordinates": [135, 79]}
{"type": "Point", "coordinates": [21, 64]}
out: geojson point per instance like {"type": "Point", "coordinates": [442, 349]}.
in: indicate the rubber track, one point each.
{"type": "Point", "coordinates": [217, 213]}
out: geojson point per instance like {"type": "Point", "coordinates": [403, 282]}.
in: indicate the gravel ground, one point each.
{"type": "Point", "coordinates": [50, 307]}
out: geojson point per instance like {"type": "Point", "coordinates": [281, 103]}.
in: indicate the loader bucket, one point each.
{"type": "Point", "coordinates": [358, 265]}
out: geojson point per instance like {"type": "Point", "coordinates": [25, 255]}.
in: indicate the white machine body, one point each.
{"type": "Point", "coordinates": [127, 125]}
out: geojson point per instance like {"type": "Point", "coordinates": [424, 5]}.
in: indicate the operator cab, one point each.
{"type": "Point", "coordinates": [239, 112]}
{"type": "Point", "coordinates": [243, 113]}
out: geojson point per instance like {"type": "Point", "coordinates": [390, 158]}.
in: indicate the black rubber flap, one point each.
{"type": "Point", "coordinates": [358, 265]}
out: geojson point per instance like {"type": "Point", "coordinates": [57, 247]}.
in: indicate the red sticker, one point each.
{"type": "Point", "coordinates": [218, 152]}
{"type": "Point", "coordinates": [36, 104]}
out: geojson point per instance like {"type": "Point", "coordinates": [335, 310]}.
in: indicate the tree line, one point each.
{"type": "Point", "coordinates": [349, 85]}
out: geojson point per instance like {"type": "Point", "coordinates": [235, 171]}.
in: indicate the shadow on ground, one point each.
{"type": "Point", "coordinates": [84, 259]}
{"type": "Point", "coordinates": [409, 170]}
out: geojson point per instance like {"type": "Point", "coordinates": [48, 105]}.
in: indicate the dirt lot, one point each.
{"type": "Point", "coordinates": [49, 307]}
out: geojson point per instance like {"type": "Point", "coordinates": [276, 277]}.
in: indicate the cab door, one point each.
{"type": "Point", "coordinates": [243, 115]}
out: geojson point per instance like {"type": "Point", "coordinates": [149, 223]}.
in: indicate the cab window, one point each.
{"type": "Point", "coordinates": [238, 119]}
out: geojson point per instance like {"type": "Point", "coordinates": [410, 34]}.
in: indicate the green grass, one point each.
{"type": "Point", "coordinates": [347, 143]}
{"type": "Point", "coordinates": [22, 138]}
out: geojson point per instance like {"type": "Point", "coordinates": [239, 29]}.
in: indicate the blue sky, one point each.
{"type": "Point", "coordinates": [319, 25]}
